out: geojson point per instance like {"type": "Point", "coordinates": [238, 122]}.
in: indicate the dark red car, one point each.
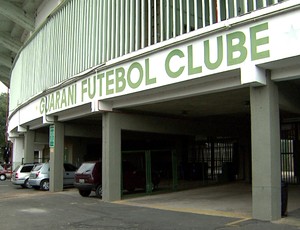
{"type": "Point", "coordinates": [88, 178]}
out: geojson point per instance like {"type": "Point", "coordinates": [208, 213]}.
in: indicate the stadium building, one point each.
{"type": "Point", "coordinates": [199, 92]}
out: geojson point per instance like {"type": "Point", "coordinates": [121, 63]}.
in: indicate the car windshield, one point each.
{"type": "Point", "coordinates": [16, 169]}
{"type": "Point", "coordinates": [86, 167]}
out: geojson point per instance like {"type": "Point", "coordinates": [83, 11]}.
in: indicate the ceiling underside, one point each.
{"type": "Point", "coordinates": [226, 106]}
{"type": "Point", "coordinates": [16, 23]}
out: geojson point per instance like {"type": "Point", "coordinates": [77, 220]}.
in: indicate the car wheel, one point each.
{"type": "Point", "coordinates": [44, 185]}
{"type": "Point", "coordinates": [85, 193]}
{"type": "Point", "coordinates": [26, 184]}
{"type": "Point", "coordinates": [99, 191]}
{"type": "Point", "coordinates": [2, 177]}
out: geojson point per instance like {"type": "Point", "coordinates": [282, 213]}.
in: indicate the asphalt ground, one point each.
{"type": "Point", "coordinates": [32, 209]}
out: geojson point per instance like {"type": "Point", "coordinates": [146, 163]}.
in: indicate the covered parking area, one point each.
{"type": "Point", "coordinates": [204, 123]}
{"type": "Point", "coordinates": [229, 200]}
{"type": "Point", "coordinates": [223, 113]}
{"type": "Point", "coordinates": [195, 134]}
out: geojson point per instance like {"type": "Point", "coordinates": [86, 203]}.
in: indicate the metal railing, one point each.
{"type": "Point", "coordinates": [83, 34]}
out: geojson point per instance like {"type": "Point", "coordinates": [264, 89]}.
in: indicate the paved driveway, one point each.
{"type": "Point", "coordinates": [30, 209]}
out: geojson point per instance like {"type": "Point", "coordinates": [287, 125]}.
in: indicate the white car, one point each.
{"type": "Point", "coordinates": [20, 175]}
{"type": "Point", "coordinates": [39, 176]}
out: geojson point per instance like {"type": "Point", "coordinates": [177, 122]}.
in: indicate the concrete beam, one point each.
{"type": "Point", "coordinates": [5, 76]}
{"type": "Point", "coordinates": [57, 158]}
{"type": "Point", "coordinates": [17, 15]}
{"type": "Point", "coordinates": [286, 73]}
{"type": "Point", "coordinates": [111, 157]}
{"type": "Point", "coordinates": [29, 146]}
{"type": "Point", "coordinates": [5, 60]}
{"type": "Point", "coordinates": [8, 42]}
{"type": "Point", "coordinates": [5, 72]}
{"type": "Point", "coordinates": [265, 138]}
{"type": "Point", "coordinates": [251, 74]}
{"type": "Point", "coordinates": [4, 80]}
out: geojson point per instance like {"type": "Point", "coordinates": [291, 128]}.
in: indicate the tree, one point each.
{"type": "Point", "coordinates": [3, 116]}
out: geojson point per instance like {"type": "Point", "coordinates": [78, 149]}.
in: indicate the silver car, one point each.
{"type": "Point", "coordinates": [20, 175]}
{"type": "Point", "coordinates": [39, 176]}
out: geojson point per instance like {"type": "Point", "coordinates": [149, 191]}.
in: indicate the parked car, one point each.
{"type": "Point", "coordinates": [136, 179]}
{"type": "Point", "coordinates": [20, 175]}
{"type": "Point", "coordinates": [39, 176]}
{"type": "Point", "coordinates": [2, 173]}
{"type": "Point", "coordinates": [7, 169]}
{"type": "Point", "coordinates": [88, 178]}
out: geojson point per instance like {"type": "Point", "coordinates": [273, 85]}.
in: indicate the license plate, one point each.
{"type": "Point", "coordinates": [81, 181]}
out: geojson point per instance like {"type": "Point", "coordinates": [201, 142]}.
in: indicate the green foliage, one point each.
{"type": "Point", "coordinates": [3, 114]}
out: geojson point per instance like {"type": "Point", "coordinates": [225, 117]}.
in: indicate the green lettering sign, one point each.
{"type": "Point", "coordinates": [237, 48]}
{"type": "Point", "coordinates": [207, 55]}
{"type": "Point", "coordinates": [174, 74]}
{"type": "Point", "coordinates": [51, 136]}
{"type": "Point", "coordinates": [256, 42]}
{"type": "Point", "coordinates": [92, 87]}
{"type": "Point", "coordinates": [120, 79]}
{"type": "Point", "coordinates": [138, 67]}
{"type": "Point", "coordinates": [191, 69]}
{"type": "Point", "coordinates": [109, 82]}
{"type": "Point", "coordinates": [149, 80]}
{"type": "Point", "coordinates": [83, 88]}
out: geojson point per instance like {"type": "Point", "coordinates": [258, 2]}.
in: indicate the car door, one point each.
{"type": "Point", "coordinates": [69, 173]}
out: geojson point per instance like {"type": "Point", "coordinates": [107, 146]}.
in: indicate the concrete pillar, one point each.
{"type": "Point", "coordinates": [18, 151]}
{"type": "Point", "coordinates": [265, 131]}
{"type": "Point", "coordinates": [111, 157]}
{"type": "Point", "coordinates": [29, 146]}
{"type": "Point", "coordinates": [57, 158]}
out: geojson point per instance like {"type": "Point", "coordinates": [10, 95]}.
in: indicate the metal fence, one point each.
{"type": "Point", "coordinates": [216, 158]}
{"type": "Point", "coordinates": [290, 154]}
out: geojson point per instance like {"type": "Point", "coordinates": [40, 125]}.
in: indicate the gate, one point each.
{"type": "Point", "coordinates": [218, 157]}
{"type": "Point", "coordinates": [290, 159]}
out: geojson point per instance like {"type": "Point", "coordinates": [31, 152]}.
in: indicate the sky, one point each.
{"type": "Point", "coordinates": [3, 88]}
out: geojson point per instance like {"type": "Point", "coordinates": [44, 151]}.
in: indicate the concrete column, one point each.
{"type": "Point", "coordinates": [111, 157]}
{"type": "Point", "coordinates": [29, 146]}
{"type": "Point", "coordinates": [57, 158]}
{"type": "Point", "coordinates": [18, 151]}
{"type": "Point", "coordinates": [265, 131]}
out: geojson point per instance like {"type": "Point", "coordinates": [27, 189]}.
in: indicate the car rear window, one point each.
{"type": "Point", "coordinates": [86, 167]}
{"type": "Point", "coordinates": [27, 168]}
{"type": "Point", "coordinates": [38, 167]}
{"type": "Point", "coordinates": [70, 168]}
